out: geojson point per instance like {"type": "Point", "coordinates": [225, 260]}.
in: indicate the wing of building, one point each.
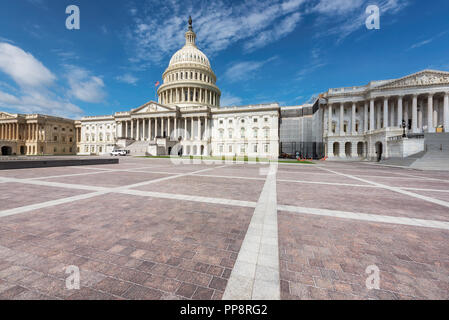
{"type": "Point", "coordinates": [383, 119]}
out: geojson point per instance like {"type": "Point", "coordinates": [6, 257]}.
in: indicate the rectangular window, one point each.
{"type": "Point", "coordinates": [230, 149]}
{"type": "Point", "coordinates": [255, 148]}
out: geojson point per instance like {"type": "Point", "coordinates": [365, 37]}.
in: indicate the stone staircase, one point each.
{"type": "Point", "coordinates": [138, 148]}
{"type": "Point", "coordinates": [436, 156]}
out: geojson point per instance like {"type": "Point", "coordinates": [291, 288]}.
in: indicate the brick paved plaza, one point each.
{"type": "Point", "coordinates": [151, 229]}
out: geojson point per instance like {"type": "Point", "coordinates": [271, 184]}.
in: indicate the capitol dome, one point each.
{"type": "Point", "coordinates": [189, 79]}
{"type": "Point", "coordinates": [190, 54]}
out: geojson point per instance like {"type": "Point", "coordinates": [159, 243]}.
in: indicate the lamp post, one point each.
{"type": "Point", "coordinates": [404, 125]}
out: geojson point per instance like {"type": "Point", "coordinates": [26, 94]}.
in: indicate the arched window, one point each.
{"type": "Point", "coordinates": [266, 133]}
{"type": "Point", "coordinates": [255, 132]}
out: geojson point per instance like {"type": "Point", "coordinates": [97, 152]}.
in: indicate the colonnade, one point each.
{"type": "Point", "coordinates": [16, 131]}
{"type": "Point", "coordinates": [182, 95]}
{"type": "Point", "coordinates": [387, 112]}
{"type": "Point", "coordinates": [148, 129]}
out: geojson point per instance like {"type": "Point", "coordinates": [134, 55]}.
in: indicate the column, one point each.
{"type": "Point", "coordinates": [392, 122]}
{"type": "Point", "coordinates": [168, 128]}
{"type": "Point", "coordinates": [132, 129]}
{"type": "Point", "coordinates": [400, 117]}
{"type": "Point", "coordinates": [188, 95]}
{"type": "Point", "coordinates": [138, 130]}
{"type": "Point", "coordinates": [446, 112]}
{"type": "Point", "coordinates": [365, 117]}
{"type": "Point", "coordinates": [163, 127]}
{"type": "Point", "coordinates": [329, 119]}
{"type": "Point", "coordinates": [185, 128]}
{"type": "Point", "coordinates": [199, 128]}
{"type": "Point", "coordinates": [371, 115]}
{"type": "Point", "coordinates": [150, 131]}
{"type": "Point", "coordinates": [210, 97]}
{"type": "Point", "coordinates": [191, 129]}
{"type": "Point", "coordinates": [430, 127]}
{"type": "Point", "coordinates": [420, 116]}
{"type": "Point", "coordinates": [436, 109]}
{"type": "Point", "coordinates": [206, 128]}
{"type": "Point", "coordinates": [144, 133]}
{"type": "Point", "coordinates": [415, 114]}
{"type": "Point", "coordinates": [175, 120]}
{"type": "Point", "coordinates": [353, 131]}
{"type": "Point", "coordinates": [342, 119]}
{"type": "Point", "coordinates": [126, 129]}
{"type": "Point", "coordinates": [385, 112]}
{"type": "Point", "coordinates": [379, 116]}
{"type": "Point", "coordinates": [406, 111]}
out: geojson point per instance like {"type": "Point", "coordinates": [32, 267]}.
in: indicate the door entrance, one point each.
{"type": "Point", "coordinates": [379, 151]}
{"type": "Point", "coordinates": [6, 151]}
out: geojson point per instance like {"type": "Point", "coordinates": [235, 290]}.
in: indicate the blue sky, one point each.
{"type": "Point", "coordinates": [261, 51]}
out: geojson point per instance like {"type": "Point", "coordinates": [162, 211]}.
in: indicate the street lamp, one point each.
{"type": "Point", "coordinates": [404, 125]}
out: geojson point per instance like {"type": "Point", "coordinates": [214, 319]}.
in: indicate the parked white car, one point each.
{"type": "Point", "coordinates": [118, 153]}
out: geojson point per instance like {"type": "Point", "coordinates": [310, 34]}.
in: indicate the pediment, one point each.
{"type": "Point", "coordinates": [151, 107]}
{"type": "Point", "coordinates": [423, 78]}
{"type": "Point", "coordinates": [5, 115]}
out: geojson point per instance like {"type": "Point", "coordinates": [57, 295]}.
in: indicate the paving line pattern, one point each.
{"type": "Point", "coordinates": [255, 275]}
{"type": "Point", "coordinates": [395, 189]}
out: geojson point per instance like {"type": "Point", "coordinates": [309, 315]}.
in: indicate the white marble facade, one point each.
{"type": "Point", "coordinates": [361, 122]}
{"type": "Point", "coordinates": [187, 118]}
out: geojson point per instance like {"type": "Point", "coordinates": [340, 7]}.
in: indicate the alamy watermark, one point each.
{"type": "Point", "coordinates": [373, 280]}
{"type": "Point", "coordinates": [373, 20]}
{"type": "Point", "coordinates": [72, 282]}
{"type": "Point", "coordinates": [73, 20]}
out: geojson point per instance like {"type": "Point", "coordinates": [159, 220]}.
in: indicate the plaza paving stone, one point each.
{"type": "Point", "coordinates": [129, 244]}
{"type": "Point", "coordinates": [109, 179]}
{"type": "Point", "coordinates": [43, 172]}
{"type": "Point", "coordinates": [236, 189]}
{"type": "Point", "coordinates": [359, 199]}
{"type": "Point", "coordinates": [13, 195]}
{"type": "Point", "coordinates": [125, 246]}
{"type": "Point", "coordinates": [326, 258]}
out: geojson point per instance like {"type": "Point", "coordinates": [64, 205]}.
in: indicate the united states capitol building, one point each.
{"type": "Point", "coordinates": [380, 120]}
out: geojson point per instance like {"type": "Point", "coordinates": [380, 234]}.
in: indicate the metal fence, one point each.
{"type": "Point", "coordinates": [306, 150]}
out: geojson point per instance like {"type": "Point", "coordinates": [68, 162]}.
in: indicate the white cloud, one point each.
{"type": "Point", "coordinates": [33, 80]}
{"type": "Point", "coordinates": [337, 6]}
{"type": "Point", "coordinates": [23, 68]}
{"type": "Point", "coordinates": [228, 99]}
{"type": "Point", "coordinates": [244, 70]}
{"type": "Point", "coordinates": [84, 86]}
{"type": "Point", "coordinates": [316, 62]}
{"type": "Point", "coordinates": [44, 102]}
{"type": "Point", "coordinates": [218, 24]}
{"type": "Point", "coordinates": [127, 78]}
{"type": "Point", "coordinates": [280, 30]}
{"type": "Point", "coordinates": [427, 41]}
{"type": "Point", "coordinates": [340, 18]}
